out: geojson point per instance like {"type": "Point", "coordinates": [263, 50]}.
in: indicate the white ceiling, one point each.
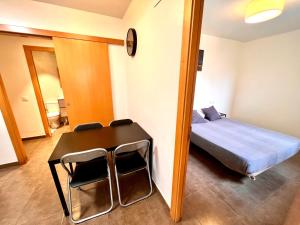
{"type": "Point", "coordinates": [225, 18]}
{"type": "Point", "coordinates": [114, 8]}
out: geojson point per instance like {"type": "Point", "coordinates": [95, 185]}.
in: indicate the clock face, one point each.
{"type": "Point", "coordinates": [131, 42]}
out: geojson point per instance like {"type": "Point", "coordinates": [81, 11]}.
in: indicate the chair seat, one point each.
{"type": "Point", "coordinates": [89, 172]}
{"type": "Point", "coordinates": [129, 162]}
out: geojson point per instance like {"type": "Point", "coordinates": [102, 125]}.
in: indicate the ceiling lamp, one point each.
{"type": "Point", "coordinates": [263, 10]}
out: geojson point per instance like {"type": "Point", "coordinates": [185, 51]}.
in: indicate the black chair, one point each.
{"type": "Point", "coordinates": [116, 123]}
{"type": "Point", "coordinates": [91, 166]}
{"type": "Point", "coordinates": [130, 158]}
{"type": "Point", "coordinates": [88, 126]}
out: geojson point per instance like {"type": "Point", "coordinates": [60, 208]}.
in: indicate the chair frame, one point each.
{"type": "Point", "coordinates": [70, 172]}
{"type": "Point", "coordinates": [147, 167]}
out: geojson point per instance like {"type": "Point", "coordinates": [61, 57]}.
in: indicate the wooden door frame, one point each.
{"type": "Point", "coordinates": [35, 82]}
{"type": "Point", "coordinates": [6, 28]}
{"type": "Point", "coordinates": [193, 12]}
{"type": "Point", "coordinates": [11, 125]}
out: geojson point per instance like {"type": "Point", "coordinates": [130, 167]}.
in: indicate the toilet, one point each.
{"type": "Point", "coordinates": [53, 114]}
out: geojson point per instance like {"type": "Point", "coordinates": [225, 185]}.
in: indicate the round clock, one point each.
{"type": "Point", "coordinates": [131, 42]}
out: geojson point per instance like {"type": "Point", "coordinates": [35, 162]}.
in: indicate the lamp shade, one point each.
{"type": "Point", "coordinates": [263, 10]}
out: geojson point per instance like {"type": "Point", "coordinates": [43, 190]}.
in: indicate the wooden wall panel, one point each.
{"type": "Point", "coordinates": [6, 28]}
{"type": "Point", "coordinates": [85, 76]}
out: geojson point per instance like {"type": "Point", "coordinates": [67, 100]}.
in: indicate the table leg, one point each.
{"type": "Point", "coordinates": [59, 189]}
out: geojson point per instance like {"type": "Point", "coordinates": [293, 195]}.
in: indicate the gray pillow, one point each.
{"type": "Point", "coordinates": [211, 113]}
{"type": "Point", "coordinates": [197, 118]}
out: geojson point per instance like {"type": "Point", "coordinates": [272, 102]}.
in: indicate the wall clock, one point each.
{"type": "Point", "coordinates": [131, 42]}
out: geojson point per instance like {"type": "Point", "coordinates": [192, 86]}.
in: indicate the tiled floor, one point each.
{"type": "Point", "coordinates": [28, 195]}
{"type": "Point", "coordinates": [214, 194]}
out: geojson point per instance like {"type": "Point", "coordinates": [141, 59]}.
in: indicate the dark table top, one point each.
{"type": "Point", "coordinates": [106, 137]}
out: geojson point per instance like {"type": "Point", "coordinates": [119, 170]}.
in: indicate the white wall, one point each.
{"type": "Point", "coordinates": [268, 89]}
{"type": "Point", "coordinates": [153, 80]}
{"type": "Point", "coordinates": [215, 84]}
{"type": "Point", "coordinates": [7, 153]}
{"type": "Point", "coordinates": [117, 58]}
{"type": "Point", "coordinates": [256, 82]}
{"type": "Point", "coordinates": [18, 84]}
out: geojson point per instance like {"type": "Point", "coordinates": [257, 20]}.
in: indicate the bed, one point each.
{"type": "Point", "coordinates": [244, 148]}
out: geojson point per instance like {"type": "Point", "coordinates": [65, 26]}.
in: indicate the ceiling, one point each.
{"type": "Point", "coordinates": [225, 18]}
{"type": "Point", "coordinates": [114, 8]}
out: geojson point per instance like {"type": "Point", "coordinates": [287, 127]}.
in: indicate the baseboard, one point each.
{"type": "Point", "coordinates": [32, 138]}
{"type": "Point", "coordinates": [9, 165]}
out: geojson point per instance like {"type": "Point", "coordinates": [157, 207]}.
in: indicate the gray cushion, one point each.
{"type": "Point", "coordinates": [197, 118]}
{"type": "Point", "coordinates": [211, 113]}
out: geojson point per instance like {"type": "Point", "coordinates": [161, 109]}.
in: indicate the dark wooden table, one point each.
{"type": "Point", "coordinates": [106, 137]}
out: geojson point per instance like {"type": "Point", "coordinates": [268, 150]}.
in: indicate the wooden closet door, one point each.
{"type": "Point", "coordinates": [85, 78]}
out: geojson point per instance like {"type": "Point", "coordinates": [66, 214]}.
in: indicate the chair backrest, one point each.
{"type": "Point", "coordinates": [88, 126]}
{"type": "Point", "coordinates": [82, 156]}
{"type": "Point", "coordinates": [142, 147]}
{"type": "Point", "coordinates": [116, 123]}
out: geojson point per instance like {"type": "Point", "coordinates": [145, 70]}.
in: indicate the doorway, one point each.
{"type": "Point", "coordinates": [193, 11]}
{"type": "Point", "coordinates": [219, 194]}
{"type": "Point", "coordinates": [46, 82]}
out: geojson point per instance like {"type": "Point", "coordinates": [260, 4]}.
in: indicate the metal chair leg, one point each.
{"type": "Point", "coordinates": [139, 199]}
{"type": "Point", "coordinates": [96, 215]}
